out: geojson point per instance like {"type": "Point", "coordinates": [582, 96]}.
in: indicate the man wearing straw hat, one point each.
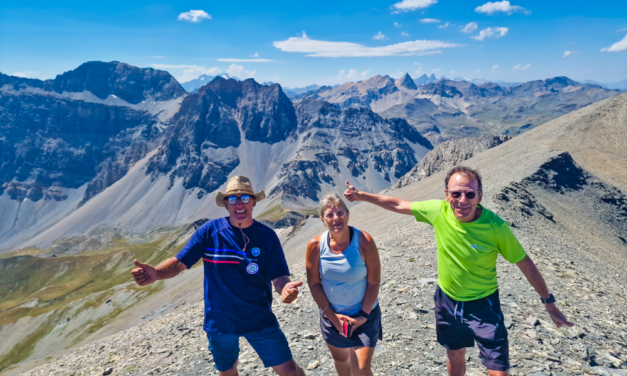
{"type": "Point", "coordinates": [241, 258]}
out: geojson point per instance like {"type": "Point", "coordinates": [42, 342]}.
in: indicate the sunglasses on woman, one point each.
{"type": "Point", "coordinates": [457, 194]}
{"type": "Point", "coordinates": [245, 199]}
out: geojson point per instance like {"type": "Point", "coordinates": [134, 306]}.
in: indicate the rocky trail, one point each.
{"type": "Point", "coordinates": [587, 293]}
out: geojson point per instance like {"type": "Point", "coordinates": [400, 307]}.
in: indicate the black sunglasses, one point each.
{"type": "Point", "coordinates": [457, 194]}
{"type": "Point", "coordinates": [245, 199]}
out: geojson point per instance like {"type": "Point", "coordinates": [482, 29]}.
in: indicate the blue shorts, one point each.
{"type": "Point", "coordinates": [461, 324]}
{"type": "Point", "coordinates": [270, 344]}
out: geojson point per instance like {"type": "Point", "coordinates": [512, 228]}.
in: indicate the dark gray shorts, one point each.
{"type": "Point", "coordinates": [366, 335]}
{"type": "Point", "coordinates": [460, 324]}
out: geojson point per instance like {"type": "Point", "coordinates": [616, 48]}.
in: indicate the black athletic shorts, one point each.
{"type": "Point", "coordinates": [461, 324]}
{"type": "Point", "coordinates": [366, 335]}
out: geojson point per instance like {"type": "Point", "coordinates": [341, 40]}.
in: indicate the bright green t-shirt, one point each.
{"type": "Point", "coordinates": [467, 252]}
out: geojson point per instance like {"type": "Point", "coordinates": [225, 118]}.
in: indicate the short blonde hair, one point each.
{"type": "Point", "coordinates": [329, 199]}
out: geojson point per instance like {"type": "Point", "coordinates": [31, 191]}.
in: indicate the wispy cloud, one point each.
{"type": "Point", "coordinates": [319, 48]}
{"type": "Point", "coordinates": [25, 74]}
{"type": "Point", "coordinates": [194, 16]}
{"type": "Point", "coordinates": [500, 6]}
{"type": "Point", "coordinates": [344, 76]}
{"type": "Point", "coordinates": [239, 72]}
{"type": "Point", "coordinates": [617, 47]}
{"type": "Point", "coordinates": [427, 53]}
{"type": "Point", "coordinates": [570, 53]}
{"type": "Point", "coordinates": [404, 34]}
{"type": "Point", "coordinates": [379, 36]}
{"type": "Point", "coordinates": [491, 32]}
{"type": "Point", "coordinates": [256, 54]}
{"type": "Point", "coordinates": [522, 67]}
{"type": "Point", "coordinates": [429, 20]}
{"type": "Point", "coordinates": [443, 26]}
{"type": "Point", "coordinates": [190, 72]}
{"type": "Point", "coordinates": [245, 60]}
{"type": "Point", "coordinates": [494, 68]}
{"type": "Point", "coordinates": [469, 28]}
{"type": "Point", "coordinates": [411, 5]}
{"type": "Point", "coordinates": [396, 24]}
{"type": "Point", "coordinates": [159, 57]}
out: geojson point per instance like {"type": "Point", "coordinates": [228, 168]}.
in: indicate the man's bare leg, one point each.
{"type": "Point", "coordinates": [456, 362]}
{"type": "Point", "coordinates": [231, 371]}
{"type": "Point", "coordinates": [289, 368]}
{"type": "Point", "coordinates": [492, 372]}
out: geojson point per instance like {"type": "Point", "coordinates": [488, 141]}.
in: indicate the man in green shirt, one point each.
{"type": "Point", "coordinates": [469, 239]}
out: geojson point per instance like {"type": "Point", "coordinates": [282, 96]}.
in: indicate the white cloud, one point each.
{"type": "Point", "coordinates": [396, 24]}
{"type": "Point", "coordinates": [410, 5]}
{"type": "Point", "coordinates": [429, 20]}
{"type": "Point", "coordinates": [319, 48]}
{"type": "Point", "coordinates": [500, 6]}
{"type": "Point", "coordinates": [469, 28]}
{"type": "Point", "coordinates": [443, 26]}
{"type": "Point", "coordinates": [570, 53]}
{"type": "Point", "coordinates": [435, 70]}
{"type": "Point", "coordinates": [245, 60]}
{"type": "Point", "coordinates": [239, 72]}
{"type": "Point", "coordinates": [159, 57]}
{"type": "Point", "coordinates": [190, 72]}
{"type": "Point", "coordinates": [24, 74]}
{"type": "Point", "coordinates": [256, 54]}
{"type": "Point", "coordinates": [427, 53]}
{"type": "Point", "coordinates": [490, 32]}
{"type": "Point", "coordinates": [404, 34]}
{"type": "Point", "coordinates": [194, 16]}
{"type": "Point", "coordinates": [616, 47]}
{"type": "Point", "coordinates": [379, 36]}
{"type": "Point", "coordinates": [453, 72]}
{"type": "Point", "coordinates": [494, 68]}
{"type": "Point", "coordinates": [521, 67]}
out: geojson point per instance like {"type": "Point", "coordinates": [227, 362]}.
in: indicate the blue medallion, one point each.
{"type": "Point", "coordinates": [256, 251]}
{"type": "Point", "coordinates": [252, 268]}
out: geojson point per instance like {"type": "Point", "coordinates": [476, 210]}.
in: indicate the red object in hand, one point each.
{"type": "Point", "coordinates": [348, 328]}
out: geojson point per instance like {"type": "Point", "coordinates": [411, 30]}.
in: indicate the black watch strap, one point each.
{"type": "Point", "coordinates": [363, 314]}
{"type": "Point", "coordinates": [550, 300]}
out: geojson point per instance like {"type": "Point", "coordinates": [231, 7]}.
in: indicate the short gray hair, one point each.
{"type": "Point", "coordinates": [329, 199]}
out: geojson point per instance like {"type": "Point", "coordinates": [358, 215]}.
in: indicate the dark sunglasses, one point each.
{"type": "Point", "coordinates": [245, 199]}
{"type": "Point", "coordinates": [457, 194]}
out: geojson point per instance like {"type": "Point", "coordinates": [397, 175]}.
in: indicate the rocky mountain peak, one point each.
{"type": "Point", "coordinates": [125, 81]}
{"type": "Point", "coordinates": [405, 82]}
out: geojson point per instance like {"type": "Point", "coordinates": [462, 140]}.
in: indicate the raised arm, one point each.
{"type": "Point", "coordinates": [315, 283]}
{"type": "Point", "coordinates": [390, 203]}
{"type": "Point", "coordinates": [145, 274]}
{"type": "Point", "coordinates": [531, 272]}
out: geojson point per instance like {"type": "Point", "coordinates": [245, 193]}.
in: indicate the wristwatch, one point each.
{"type": "Point", "coordinates": [363, 314]}
{"type": "Point", "coordinates": [550, 300]}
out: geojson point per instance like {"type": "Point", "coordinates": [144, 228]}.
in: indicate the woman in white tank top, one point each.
{"type": "Point", "coordinates": [344, 273]}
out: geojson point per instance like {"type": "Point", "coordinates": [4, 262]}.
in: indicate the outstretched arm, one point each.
{"type": "Point", "coordinates": [145, 274]}
{"type": "Point", "coordinates": [394, 204]}
{"type": "Point", "coordinates": [531, 272]}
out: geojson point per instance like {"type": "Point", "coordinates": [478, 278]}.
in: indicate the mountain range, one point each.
{"type": "Point", "coordinates": [449, 109]}
{"type": "Point", "coordinates": [151, 154]}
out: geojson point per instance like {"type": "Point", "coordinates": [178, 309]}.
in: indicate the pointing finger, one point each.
{"type": "Point", "coordinates": [296, 284]}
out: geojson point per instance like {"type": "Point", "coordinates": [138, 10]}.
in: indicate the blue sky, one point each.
{"type": "Point", "coordinates": [298, 43]}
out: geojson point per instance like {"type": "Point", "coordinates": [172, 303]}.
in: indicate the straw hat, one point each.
{"type": "Point", "coordinates": [238, 185]}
